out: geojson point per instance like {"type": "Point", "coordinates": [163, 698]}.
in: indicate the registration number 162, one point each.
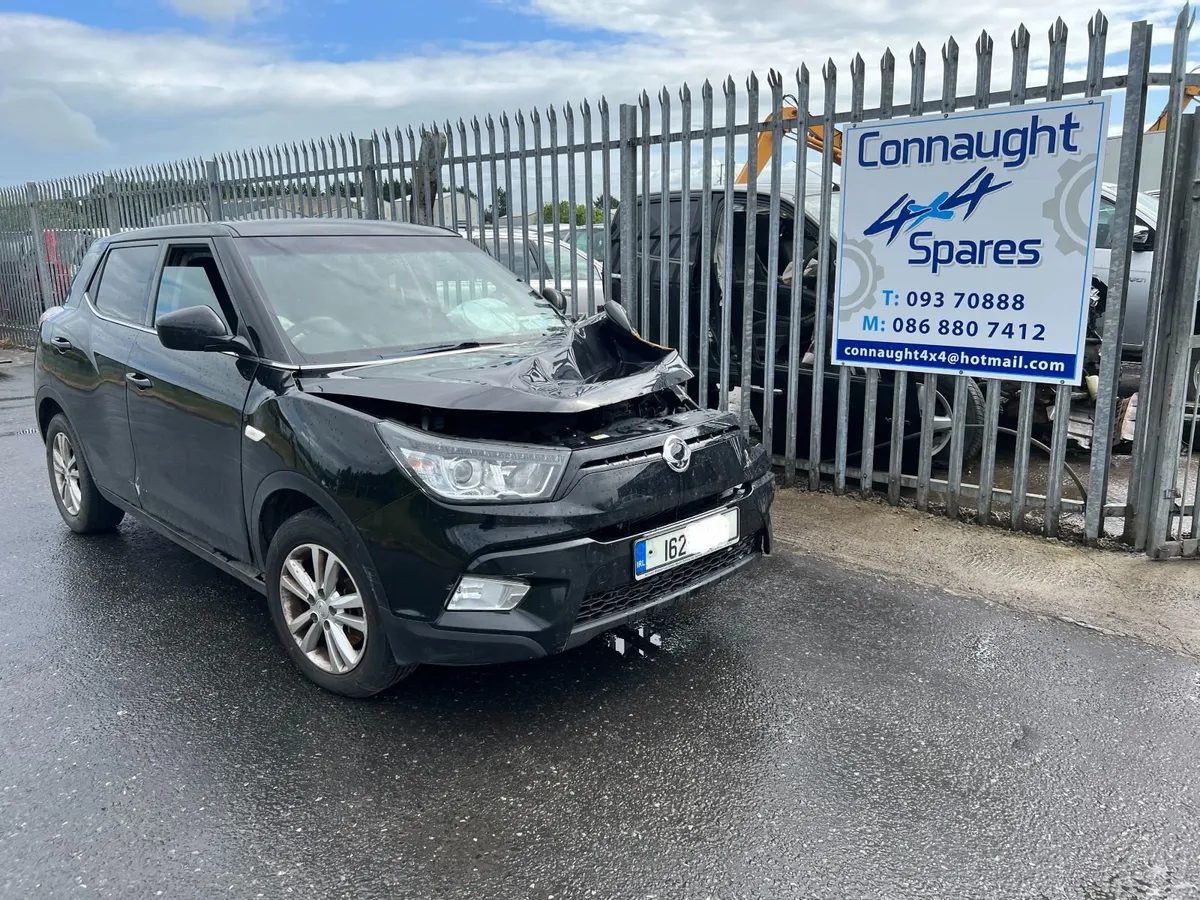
{"type": "Point", "coordinates": [687, 540]}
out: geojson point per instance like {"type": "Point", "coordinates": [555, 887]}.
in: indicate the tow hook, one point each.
{"type": "Point", "coordinates": [642, 638]}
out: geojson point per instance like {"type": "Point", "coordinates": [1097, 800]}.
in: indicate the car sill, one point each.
{"type": "Point", "coordinates": [244, 573]}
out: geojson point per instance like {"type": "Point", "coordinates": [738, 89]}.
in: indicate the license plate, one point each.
{"type": "Point", "coordinates": [678, 543]}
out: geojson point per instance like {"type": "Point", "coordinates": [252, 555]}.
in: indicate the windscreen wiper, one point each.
{"type": "Point", "coordinates": [446, 348]}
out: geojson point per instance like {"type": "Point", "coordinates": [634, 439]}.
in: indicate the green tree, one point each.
{"type": "Point", "coordinates": [564, 217]}
{"type": "Point", "coordinates": [499, 209]}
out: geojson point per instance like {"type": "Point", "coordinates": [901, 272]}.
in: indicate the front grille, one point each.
{"type": "Point", "coordinates": [697, 443]}
{"type": "Point", "coordinates": [607, 603]}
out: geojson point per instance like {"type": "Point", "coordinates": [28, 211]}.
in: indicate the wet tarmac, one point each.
{"type": "Point", "coordinates": [808, 731]}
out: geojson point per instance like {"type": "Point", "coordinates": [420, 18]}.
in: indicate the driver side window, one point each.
{"type": "Point", "coordinates": [190, 277]}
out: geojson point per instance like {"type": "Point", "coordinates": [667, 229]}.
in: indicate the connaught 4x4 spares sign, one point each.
{"type": "Point", "coordinates": [966, 241]}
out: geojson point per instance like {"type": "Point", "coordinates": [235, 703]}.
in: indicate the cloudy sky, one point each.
{"type": "Point", "coordinates": [87, 85]}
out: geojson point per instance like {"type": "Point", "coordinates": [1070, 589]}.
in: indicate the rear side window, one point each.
{"type": "Point", "coordinates": [124, 289]}
{"type": "Point", "coordinates": [84, 275]}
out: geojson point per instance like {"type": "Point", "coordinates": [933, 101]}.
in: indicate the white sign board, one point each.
{"type": "Point", "coordinates": [966, 241]}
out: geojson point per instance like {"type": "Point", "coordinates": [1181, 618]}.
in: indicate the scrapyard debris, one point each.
{"type": "Point", "coordinates": [1082, 423]}
{"type": "Point", "coordinates": [1126, 418]}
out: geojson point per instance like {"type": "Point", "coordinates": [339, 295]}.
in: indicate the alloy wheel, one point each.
{"type": "Point", "coordinates": [323, 609]}
{"type": "Point", "coordinates": [66, 474]}
{"type": "Point", "coordinates": [942, 425]}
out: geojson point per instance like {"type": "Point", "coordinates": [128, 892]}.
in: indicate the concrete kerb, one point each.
{"type": "Point", "coordinates": [1113, 592]}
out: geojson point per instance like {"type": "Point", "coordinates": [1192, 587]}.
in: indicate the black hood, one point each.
{"type": "Point", "coordinates": [592, 363]}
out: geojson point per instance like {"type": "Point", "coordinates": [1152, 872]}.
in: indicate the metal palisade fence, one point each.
{"type": "Point", "coordinates": [702, 221]}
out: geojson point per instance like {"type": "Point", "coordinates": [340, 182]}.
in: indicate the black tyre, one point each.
{"type": "Point", "coordinates": [943, 416]}
{"type": "Point", "coordinates": [325, 610]}
{"type": "Point", "coordinates": [79, 501]}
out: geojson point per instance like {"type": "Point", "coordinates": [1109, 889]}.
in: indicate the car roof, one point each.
{"type": "Point", "coordinates": [282, 228]}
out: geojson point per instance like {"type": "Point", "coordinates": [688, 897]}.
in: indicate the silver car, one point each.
{"type": "Point", "coordinates": [1139, 265]}
{"type": "Point", "coordinates": [547, 263]}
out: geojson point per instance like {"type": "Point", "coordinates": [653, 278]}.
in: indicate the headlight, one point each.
{"type": "Point", "coordinates": [474, 470]}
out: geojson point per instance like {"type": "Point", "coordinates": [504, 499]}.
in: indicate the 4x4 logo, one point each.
{"type": "Point", "coordinates": [907, 211]}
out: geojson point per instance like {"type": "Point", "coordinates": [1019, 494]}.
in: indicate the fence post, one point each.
{"type": "Point", "coordinates": [427, 171]}
{"type": "Point", "coordinates": [1165, 414]}
{"type": "Point", "coordinates": [367, 173]}
{"type": "Point", "coordinates": [1113, 326]}
{"type": "Point", "coordinates": [214, 190]}
{"type": "Point", "coordinates": [1170, 217]}
{"type": "Point", "coordinates": [112, 209]}
{"type": "Point", "coordinates": [39, 245]}
{"type": "Point", "coordinates": [628, 181]}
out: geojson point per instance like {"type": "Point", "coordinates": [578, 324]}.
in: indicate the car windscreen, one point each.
{"type": "Point", "coordinates": [812, 206]}
{"type": "Point", "coordinates": [1148, 208]}
{"type": "Point", "coordinates": [352, 298]}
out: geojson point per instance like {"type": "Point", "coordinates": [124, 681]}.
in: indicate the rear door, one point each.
{"type": "Point", "coordinates": [88, 358]}
{"type": "Point", "coordinates": [185, 411]}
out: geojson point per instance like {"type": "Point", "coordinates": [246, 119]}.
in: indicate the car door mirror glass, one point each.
{"type": "Point", "coordinates": [1143, 240]}
{"type": "Point", "coordinates": [556, 298]}
{"type": "Point", "coordinates": [616, 312]}
{"type": "Point", "coordinates": [195, 328]}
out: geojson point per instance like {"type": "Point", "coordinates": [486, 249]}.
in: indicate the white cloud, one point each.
{"type": "Point", "coordinates": [39, 117]}
{"type": "Point", "coordinates": [168, 95]}
{"type": "Point", "coordinates": [219, 10]}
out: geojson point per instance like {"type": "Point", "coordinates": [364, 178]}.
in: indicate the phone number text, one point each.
{"type": "Point", "coordinates": [1011, 331]}
{"type": "Point", "coordinates": [954, 300]}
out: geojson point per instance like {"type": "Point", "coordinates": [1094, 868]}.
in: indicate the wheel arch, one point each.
{"type": "Point", "coordinates": [48, 406]}
{"type": "Point", "coordinates": [283, 494]}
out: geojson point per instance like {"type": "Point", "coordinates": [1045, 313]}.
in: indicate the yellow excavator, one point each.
{"type": "Point", "coordinates": [815, 139]}
{"type": "Point", "coordinates": [1190, 92]}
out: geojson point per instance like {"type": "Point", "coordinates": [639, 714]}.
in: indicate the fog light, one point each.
{"type": "Point", "coordinates": [491, 594]}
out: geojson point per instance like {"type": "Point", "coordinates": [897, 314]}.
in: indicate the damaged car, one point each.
{"type": "Point", "coordinates": [414, 456]}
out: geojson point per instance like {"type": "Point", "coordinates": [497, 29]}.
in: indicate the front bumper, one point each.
{"type": "Point", "coordinates": [580, 588]}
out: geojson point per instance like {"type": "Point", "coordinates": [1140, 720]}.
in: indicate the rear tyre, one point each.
{"type": "Point", "coordinates": [325, 610]}
{"type": "Point", "coordinates": [78, 499]}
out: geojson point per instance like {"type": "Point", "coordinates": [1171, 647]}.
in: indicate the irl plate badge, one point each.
{"type": "Point", "coordinates": [966, 241]}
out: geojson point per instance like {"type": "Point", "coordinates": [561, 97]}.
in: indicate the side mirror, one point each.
{"type": "Point", "coordinates": [1143, 240]}
{"type": "Point", "coordinates": [196, 328]}
{"type": "Point", "coordinates": [557, 299]}
{"type": "Point", "coordinates": [617, 314]}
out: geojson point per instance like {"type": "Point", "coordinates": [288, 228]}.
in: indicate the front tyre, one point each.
{"type": "Point", "coordinates": [79, 501]}
{"type": "Point", "coordinates": [325, 610]}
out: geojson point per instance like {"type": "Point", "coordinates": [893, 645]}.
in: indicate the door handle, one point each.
{"type": "Point", "coordinates": [140, 382]}
{"type": "Point", "coordinates": [61, 344]}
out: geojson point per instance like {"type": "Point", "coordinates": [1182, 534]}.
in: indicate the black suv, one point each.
{"type": "Point", "coordinates": [412, 454]}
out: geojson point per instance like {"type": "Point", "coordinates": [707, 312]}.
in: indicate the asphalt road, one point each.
{"type": "Point", "coordinates": [808, 731]}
